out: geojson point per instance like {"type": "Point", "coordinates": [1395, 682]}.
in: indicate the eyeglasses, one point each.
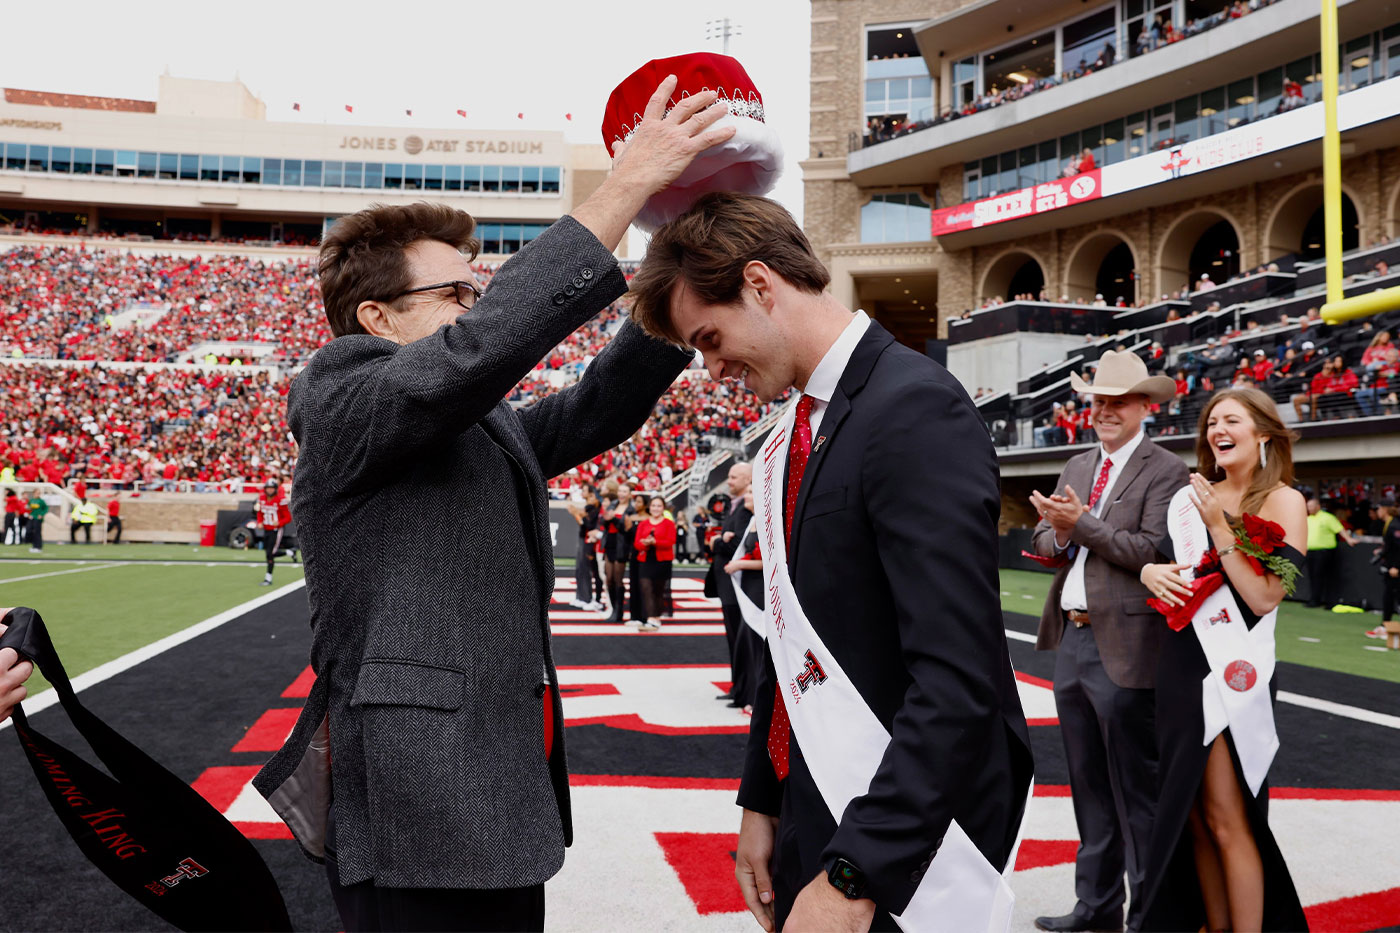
{"type": "Point", "coordinates": [461, 290]}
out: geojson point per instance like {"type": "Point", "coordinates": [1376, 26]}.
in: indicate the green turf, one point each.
{"type": "Point", "coordinates": [54, 550]}
{"type": "Point", "coordinates": [101, 614]}
{"type": "Point", "coordinates": [1341, 644]}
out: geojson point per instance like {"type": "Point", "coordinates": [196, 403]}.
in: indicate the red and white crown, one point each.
{"type": "Point", "coordinates": [750, 162]}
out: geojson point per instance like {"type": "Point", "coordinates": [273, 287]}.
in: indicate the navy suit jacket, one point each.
{"type": "Point", "coordinates": [894, 560]}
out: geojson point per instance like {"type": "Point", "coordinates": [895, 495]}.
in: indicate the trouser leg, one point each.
{"type": "Point", "coordinates": [1316, 577]}
{"type": "Point", "coordinates": [115, 524]}
{"type": "Point", "coordinates": [1099, 863]}
{"type": "Point", "coordinates": [583, 583]}
{"type": "Point", "coordinates": [1390, 597]}
{"type": "Point", "coordinates": [732, 621]}
{"type": "Point", "coordinates": [1127, 723]}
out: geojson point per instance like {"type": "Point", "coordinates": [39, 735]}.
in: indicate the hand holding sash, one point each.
{"type": "Point", "coordinates": [13, 674]}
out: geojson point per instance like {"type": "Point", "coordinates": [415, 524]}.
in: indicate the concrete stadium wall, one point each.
{"type": "Point", "coordinates": [999, 363]}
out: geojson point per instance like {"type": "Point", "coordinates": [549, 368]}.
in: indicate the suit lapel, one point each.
{"type": "Point", "coordinates": [1130, 472]}
{"type": "Point", "coordinates": [853, 379]}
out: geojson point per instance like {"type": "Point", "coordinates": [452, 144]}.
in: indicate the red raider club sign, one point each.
{"type": "Point", "coordinates": [1272, 134]}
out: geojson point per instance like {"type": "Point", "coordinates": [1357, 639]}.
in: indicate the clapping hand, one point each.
{"type": "Point", "coordinates": [1061, 511]}
{"type": "Point", "coordinates": [1203, 497]}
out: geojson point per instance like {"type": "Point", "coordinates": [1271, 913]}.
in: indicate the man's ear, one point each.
{"type": "Point", "coordinates": [374, 318]}
{"type": "Point", "coordinates": [760, 279]}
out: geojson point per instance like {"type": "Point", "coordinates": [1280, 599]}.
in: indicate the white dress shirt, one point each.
{"type": "Point", "coordinates": [1074, 595]}
{"type": "Point", "coordinates": [822, 385]}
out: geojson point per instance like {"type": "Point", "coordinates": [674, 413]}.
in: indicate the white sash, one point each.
{"type": "Point", "coordinates": [843, 742]}
{"type": "Point", "coordinates": [1236, 691]}
{"type": "Point", "coordinates": [752, 615]}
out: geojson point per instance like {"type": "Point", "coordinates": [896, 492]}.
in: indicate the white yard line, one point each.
{"type": "Point", "coordinates": [127, 661]}
{"type": "Point", "coordinates": [1296, 699]}
{"type": "Point", "coordinates": [57, 573]}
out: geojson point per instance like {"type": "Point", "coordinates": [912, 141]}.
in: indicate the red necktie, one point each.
{"type": "Point", "coordinates": [780, 727]}
{"type": "Point", "coordinates": [1100, 483]}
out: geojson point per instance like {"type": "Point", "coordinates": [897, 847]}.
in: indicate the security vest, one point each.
{"type": "Point", "coordinates": [7, 476]}
{"type": "Point", "coordinates": [86, 513]}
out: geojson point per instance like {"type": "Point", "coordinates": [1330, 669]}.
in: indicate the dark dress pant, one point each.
{"type": "Point", "coordinates": [1111, 748]}
{"type": "Point", "coordinates": [366, 907]}
{"type": "Point", "coordinates": [1321, 570]}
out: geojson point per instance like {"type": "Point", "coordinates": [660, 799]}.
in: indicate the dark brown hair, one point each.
{"type": "Point", "coordinates": [1270, 427]}
{"type": "Point", "coordinates": [362, 257]}
{"type": "Point", "coordinates": [708, 246]}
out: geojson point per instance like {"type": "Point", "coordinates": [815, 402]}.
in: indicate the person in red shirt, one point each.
{"type": "Point", "coordinates": [16, 517]}
{"type": "Point", "coordinates": [273, 518]}
{"type": "Point", "coordinates": [114, 521]}
{"type": "Point", "coordinates": [1263, 367]}
{"type": "Point", "coordinates": [655, 541]}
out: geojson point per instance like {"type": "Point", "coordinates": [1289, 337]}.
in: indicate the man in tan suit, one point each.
{"type": "Point", "coordinates": [1103, 523]}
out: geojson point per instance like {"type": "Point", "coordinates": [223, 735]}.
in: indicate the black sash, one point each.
{"type": "Point", "coordinates": [146, 829]}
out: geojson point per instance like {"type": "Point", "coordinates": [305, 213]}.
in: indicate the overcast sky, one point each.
{"type": "Point", "coordinates": [544, 58]}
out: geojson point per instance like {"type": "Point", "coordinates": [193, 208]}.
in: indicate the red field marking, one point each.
{"type": "Point", "coordinates": [301, 687]}
{"type": "Point", "coordinates": [1052, 790]}
{"type": "Point", "coordinates": [269, 732]}
{"type": "Point", "coordinates": [571, 691]}
{"type": "Point", "coordinates": [705, 864]}
{"type": "Point", "coordinates": [634, 723]}
{"type": "Point", "coordinates": [723, 686]}
{"type": "Point", "coordinates": [1355, 914]}
{"type": "Point", "coordinates": [1331, 793]}
{"type": "Point", "coordinates": [1040, 853]}
{"type": "Point", "coordinates": [656, 782]}
{"type": "Point", "coordinates": [221, 787]}
{"type": "Point", "coordinates": [1034, 681]}
{"type": "Point", "coordinates": [1047, 721]}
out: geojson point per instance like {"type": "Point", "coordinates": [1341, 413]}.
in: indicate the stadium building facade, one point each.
{"type": "Point", "coordinates": [202, 161]}
{"type": "Point", "coordinates": [1078, 154]}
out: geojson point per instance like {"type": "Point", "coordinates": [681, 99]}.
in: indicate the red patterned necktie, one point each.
{"type": "Point", "coordinates": [1100, 483]}
{"type": "Point", "coordinates": [780, 728]}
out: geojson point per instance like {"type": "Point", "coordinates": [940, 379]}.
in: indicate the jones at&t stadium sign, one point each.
{"type": "Point", "coordinates": [413, 145]}
{"type": "Point", "coordinates": [1272, 134]}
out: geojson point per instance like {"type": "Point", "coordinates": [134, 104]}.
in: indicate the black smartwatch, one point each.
{"type": "Point", "coordinates": [846, 878]}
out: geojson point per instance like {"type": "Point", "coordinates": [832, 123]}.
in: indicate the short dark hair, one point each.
{"type": "Point", "coordinates": [708, 246]}
{"type": "Point", "coordinates": [362, 257]}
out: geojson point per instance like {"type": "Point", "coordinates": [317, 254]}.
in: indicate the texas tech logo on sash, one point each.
{"type": "Point", "coordinates": [810, 675]}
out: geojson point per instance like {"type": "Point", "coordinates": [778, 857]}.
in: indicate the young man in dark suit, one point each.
{"type": "Point", "coordinates": [1100, 525]}
{"type": "Point", "coordinates": [892, 505]}
{"type": "Point", "coordinates": [427, 768]}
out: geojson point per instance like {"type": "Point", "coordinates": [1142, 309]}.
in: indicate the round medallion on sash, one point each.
{"type": "Point", "coordinates": [1240, 676]}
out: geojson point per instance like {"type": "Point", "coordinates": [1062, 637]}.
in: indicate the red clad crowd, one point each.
{"type": "Point", "coordinates": [152, 427]}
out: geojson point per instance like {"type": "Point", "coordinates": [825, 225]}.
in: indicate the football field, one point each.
{"type": "Point", "coordinates": [654, 757]}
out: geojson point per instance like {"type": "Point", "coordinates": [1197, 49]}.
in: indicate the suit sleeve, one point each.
{"type": "Point", "coordinates": [613, 399]}
{"type": "Point", "coordinates": [373, 403]}
{"type": "Point", "coordinates": [1043, 537]}
{"type": "Point", "coordinates": [930, 465]}
{"type": "Point", "coordinates": [1131, 548]}
{"type": "Point", "coordinates": [759, 788]}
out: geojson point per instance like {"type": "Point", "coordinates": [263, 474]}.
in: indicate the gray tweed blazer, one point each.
{"type": "Point", "coordinates": [421, 503]}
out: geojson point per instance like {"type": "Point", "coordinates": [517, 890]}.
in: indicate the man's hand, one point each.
{"type": "Point", "coordinates": [756, 834]}
{"type": "Point", "coordinates": [661, 148]}
{"type": "Point", "coordinates": [12, 676]}
{"type": "Point", "coordinates": [1062, 512]}
{"type": "Point", "coordinates": [819, 906]}
{"type": "Point", "coordinates": [728, 536]}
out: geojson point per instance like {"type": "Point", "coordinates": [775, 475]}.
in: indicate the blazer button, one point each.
{"type": "Point", "coordinates": [925, 863]}
{"type": "Point", "coordinates": [558, 298]}
{"type": "Point", "coordinates": [540, 689]}
{"type": "Point", "coordinates": [587, 273]}
{"type": "Point", "coordinates": [569, 290]}
{"type": "Point", "coordinates": [578, 282]}
{"type": "Point", "coordinates": [916, 876]}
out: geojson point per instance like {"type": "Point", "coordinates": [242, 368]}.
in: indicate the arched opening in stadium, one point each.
{"type": "Point", "coordinates": [1102, 265]}
{"type": "Point", "coordinates": [1015, 273]}
{"type": "Point", "coordinates": [1296, 227]}
{"type": "Point", "coordinates": [1201, 243]}
{"type": "Point", "coordinates": [905, 304]}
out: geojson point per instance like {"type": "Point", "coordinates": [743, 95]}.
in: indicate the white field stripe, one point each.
{"type": "Point", "coordinates": [127, 661]}
{"type": "Point", "coordinates": [56, 573]}
{"type": "Point", "coordinates": [1340, 709]}
{"type": "Point", "coordinates": [1298, 699]}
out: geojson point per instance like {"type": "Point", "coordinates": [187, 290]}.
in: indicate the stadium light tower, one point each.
{"type": "Point", "coordinates": [722, 29]}
{"type": "Point", "coordinates": [1338, 307]}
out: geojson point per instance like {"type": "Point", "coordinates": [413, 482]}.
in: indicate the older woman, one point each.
{"type": "Point", "coordinates": [1239, 530]}
{"type": "Point", "coordinates": [656, 552]}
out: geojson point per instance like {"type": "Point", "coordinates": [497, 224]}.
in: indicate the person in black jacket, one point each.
{"type": "Point", "coordinates": [736, 519]}
{"type": "Point", "coordinates": [892, 501]}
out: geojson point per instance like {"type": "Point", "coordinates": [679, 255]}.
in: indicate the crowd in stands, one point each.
{"type": "Point", "coordinates": [130, 428]}
{"type": "Point", "coordinates": [289, 238]}
{"type": "Point", "coordinates": [1156, 35]}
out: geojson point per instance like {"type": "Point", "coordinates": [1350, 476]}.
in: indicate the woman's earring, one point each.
{"type": "Point", "coordinates": [1263, 457]}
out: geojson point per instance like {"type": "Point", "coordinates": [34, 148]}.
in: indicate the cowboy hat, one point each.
{"type": "Point", "coordinates": [1122, 372]}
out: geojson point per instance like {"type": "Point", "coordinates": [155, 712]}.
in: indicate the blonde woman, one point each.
{"type": "Point", "coordinates": [1242, 529]}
